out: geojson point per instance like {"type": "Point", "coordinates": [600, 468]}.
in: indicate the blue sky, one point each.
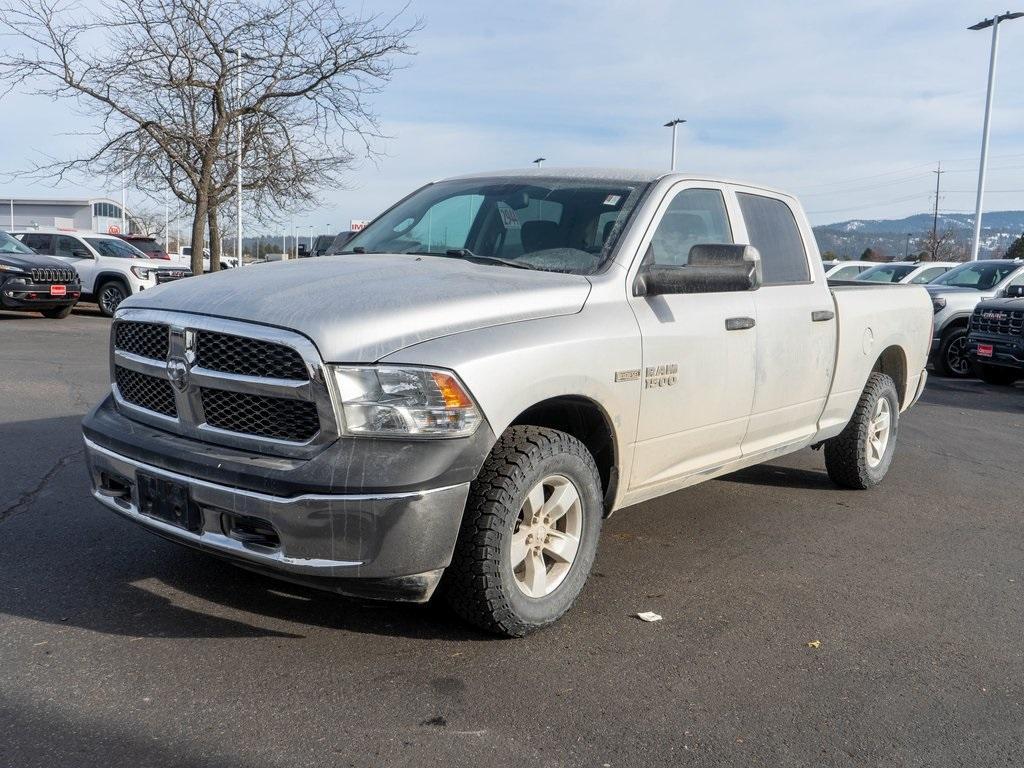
{"type": "Point", "coordinates": [847, 104]}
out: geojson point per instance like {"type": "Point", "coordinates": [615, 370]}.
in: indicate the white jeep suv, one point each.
{"type": "Point", "coordinates": [109, 268]}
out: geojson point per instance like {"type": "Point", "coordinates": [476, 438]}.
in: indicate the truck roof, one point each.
{"type": "Point", "coordinates": [610, 174]}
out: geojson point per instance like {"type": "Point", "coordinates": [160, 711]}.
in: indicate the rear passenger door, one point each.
{"type": "Point", "coordinates": [698, 376]}
{"type": "Point", "coordinates": [796, 326]}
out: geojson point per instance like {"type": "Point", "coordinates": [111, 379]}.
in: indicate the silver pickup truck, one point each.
{"type": "Point", "coordinates": [494, 365]}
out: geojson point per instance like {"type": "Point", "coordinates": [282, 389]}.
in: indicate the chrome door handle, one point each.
{"type": "Point", "coordinates": [822, 315]}
{"type": "Point", "coordinates": [738, 323]}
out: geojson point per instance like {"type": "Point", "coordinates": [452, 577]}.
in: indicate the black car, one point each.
{"type": "Point", "coordinates": [33, 283]}
{"type": "Point", "coordinates": [995, 338]}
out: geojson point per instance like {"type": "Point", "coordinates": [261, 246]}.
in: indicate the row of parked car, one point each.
{"type": "Point", "coordinates": [978, 306]}
{"type": "Point", "coordinates": [50, 271]}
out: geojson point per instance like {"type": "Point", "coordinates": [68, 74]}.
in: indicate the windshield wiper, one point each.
{"type": "Point", "coordinates": [468, 255]}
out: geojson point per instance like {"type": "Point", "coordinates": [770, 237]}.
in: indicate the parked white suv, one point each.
{"type": "Point", "coordinates": [907, 272]}
{"type": "Point", "coordinates": [110, 269]}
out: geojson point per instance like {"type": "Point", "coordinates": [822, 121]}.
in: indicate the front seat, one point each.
{"type": "Point", "coordinates": [539, 235]}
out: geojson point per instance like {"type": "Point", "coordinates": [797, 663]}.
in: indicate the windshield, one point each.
{"type": "Point", "coordinates": [117, 249]}
{"type": "Point", "coordinates": [979, 275]}
{"type": "Point", "coordinates": [9, 244]}
{"type": "Point", "coordinates": [887, 273]}
{"type": "Point", "coordinates": [555, 224]}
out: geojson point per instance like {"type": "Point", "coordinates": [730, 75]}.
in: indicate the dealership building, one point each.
{"type": "Point", "coordinates": [98, 214]}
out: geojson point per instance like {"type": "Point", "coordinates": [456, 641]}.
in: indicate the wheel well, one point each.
{"type": "Point", "coordinates": [587, 421]}
{"type": "Point", "coordinates": [110, 277]}
{"type": "Point", "coordinates": [956, 322]}
{"type": "Point", "coordinates": [893, 363]}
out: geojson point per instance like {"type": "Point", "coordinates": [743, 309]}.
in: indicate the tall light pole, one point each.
{"type": "Point", "coordinates": [238, 149]}
{"type": "Point", "coordinates": [539, 161]}
{"type": "Point", "coordinates": [673, 124]}
{"type": "Point", "coordinates": [994, 22]}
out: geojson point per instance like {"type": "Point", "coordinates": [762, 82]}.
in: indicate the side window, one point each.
{"type": "Point", "coordinates": [773, 231]}
{"type": "Point", "coordinates": [928, 275]}
{"type": "Point", "coordinates": [846, 273]}
{"type": "Point", "coordinates": [66, 246]}
{"type": "Point", "coordinates": [39, 243]}
{"type": "Point", "coordinates": [695, 216]}
{"type": "Point", "coordinates": [1018, 280]}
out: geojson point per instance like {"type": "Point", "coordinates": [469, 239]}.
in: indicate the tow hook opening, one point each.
{"type": "Point", "coordinates": [251, 531]}
{"type": "Point", "coordinates": [117, 488]}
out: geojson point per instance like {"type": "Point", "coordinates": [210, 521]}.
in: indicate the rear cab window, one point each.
{"type": "Point", "coordinates": [772, 229]}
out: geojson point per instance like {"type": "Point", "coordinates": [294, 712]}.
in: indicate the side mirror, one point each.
{"type": "Point", "coordinates": [711, 268]}
{"type": "Point", "coordinates": [1014, 292]}
{"type": "Point", "coordinates": [81, 253]}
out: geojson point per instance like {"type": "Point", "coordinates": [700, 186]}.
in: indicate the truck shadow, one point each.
{"type": "Point", "coordinates": [782, 477]}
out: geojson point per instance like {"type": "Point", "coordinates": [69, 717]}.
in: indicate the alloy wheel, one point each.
{"type": "Point", "coordinates": [879, 430]}
{"type": "Point", "coordinates": [547, 536]}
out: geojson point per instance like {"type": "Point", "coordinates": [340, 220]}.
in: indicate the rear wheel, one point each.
{"type": "Point", "coordinates": [529, 535]}
{"type": "Point", "coordinates": [859, 457]}
{"type": "Point", "coordinates": [57, 313]}
{"type": "Point", "coordinates": [996, 375]}
{"type": "Point", "coordinates": [110, 295]}
{"type": "Point", "coordinates": [953, 360]}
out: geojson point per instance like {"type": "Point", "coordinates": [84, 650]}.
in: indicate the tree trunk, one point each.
{"type": "Point", "coordinates": [199, 231]}
{"type": "Point", "coordinates": [214, 239]}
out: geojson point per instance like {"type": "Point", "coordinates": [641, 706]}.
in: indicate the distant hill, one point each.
{"type": "Point", "coordinates": [848, 239]}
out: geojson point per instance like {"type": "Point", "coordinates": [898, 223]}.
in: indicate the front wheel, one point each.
{"type": "Point", "coordinates": [953, 359]}
{"type": "Point", "coordinates": [859, 456]}
{"type": "Point", "coordinates": [996, 375]}
{"type": "Point", "coordinates": [111, 294]}
{"type": "Point", "coordinates": [529, 535]}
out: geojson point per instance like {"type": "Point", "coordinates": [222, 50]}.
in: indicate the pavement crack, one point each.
{"type": "Point", "coordinates": [25, 500]}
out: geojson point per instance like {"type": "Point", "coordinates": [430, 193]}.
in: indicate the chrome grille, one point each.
{"type": "Point", "coordinates": [54, 275]}
{"type": "Point", "coordinates": [275, 417]}
{"type": "Point", "coordinates": [1002, 322]}
{"type": "Point", "coordinates": [249, 357]}
{"type": "Point", "coordinates": [149, 392]}
{"type": "Point", "coordinates": [229, 382]}
{"type": "Point", "coordinates": [170, 275]}
{"type": "Point", "coordinates": [145, 339]}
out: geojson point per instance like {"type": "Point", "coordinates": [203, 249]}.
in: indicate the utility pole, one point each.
{"type": "Point", "coordinates": [935, 218]}
{"type": "Point", "coordinates": [983, 165]}
{"type": "Point", "coordinates": [673, 124]}
{"type": "Point", "coordinates": [539, 161]}
{"type": "Point", "coordinates": [906, 247]}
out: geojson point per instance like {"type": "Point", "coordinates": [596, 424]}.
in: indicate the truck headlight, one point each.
{"type": "Point", "coordinates": [938, 304]}
{"type": "Point", "coordinates": [141, 272]}
{"type": "Point", "coordinates": [392, 401]}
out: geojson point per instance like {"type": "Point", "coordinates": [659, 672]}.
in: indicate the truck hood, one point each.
{"type": "Point", "coordinates": [359, 308]}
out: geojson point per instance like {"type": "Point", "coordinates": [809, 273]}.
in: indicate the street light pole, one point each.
{"type": "Point", "coordinates": [673, 124]}
{"type": "Point", "coordinates": [983, 166]}
{"type": "Point", "coordinates": [539, 161]}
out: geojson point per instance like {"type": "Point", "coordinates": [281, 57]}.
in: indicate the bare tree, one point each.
{"type": "Point", "coordinates": [159, 78]}
{"type": "Point", "coordinates": [943, 246]}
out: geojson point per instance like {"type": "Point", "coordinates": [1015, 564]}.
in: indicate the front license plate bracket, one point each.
{"type": "Point", "coordinates": [168, 501]}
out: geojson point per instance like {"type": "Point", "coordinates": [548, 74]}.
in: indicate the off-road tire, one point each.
{"type": "Point", "coordinates": [952, 340]}
{"type": "Point", "coordinates": [479, 585]}
{"type": "Point", "coordinates": [101, 299]}
{"type": "Point", "coordinates": [57, 313]}
{"type": "Point", "coordinates": [996, 375]}
{"type": "Point", "coordinates": [846, 453]}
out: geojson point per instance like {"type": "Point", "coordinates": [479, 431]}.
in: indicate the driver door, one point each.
{"type": "Point", "coordinates": [698, 369]}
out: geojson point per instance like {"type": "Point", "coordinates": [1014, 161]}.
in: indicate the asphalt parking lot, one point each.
{"type": "Point", "coordinates": [117, 648]}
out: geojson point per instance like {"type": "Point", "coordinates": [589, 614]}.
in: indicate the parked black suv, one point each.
{"type": "Point", "coordinates": [995, 338]}
{"type": "Point", "coordinates": [33, 283]}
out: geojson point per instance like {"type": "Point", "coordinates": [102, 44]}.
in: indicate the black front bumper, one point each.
{"type": "Point", "coordinates": [1007, 349]}
{"type": "Point", "coordinates": [23, 294]}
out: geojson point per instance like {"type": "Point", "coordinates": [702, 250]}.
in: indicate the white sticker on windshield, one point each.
{"type": "Point", "coordinates": [509, 217]}
{"type": "Point", "coordinates": [612, 199]}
